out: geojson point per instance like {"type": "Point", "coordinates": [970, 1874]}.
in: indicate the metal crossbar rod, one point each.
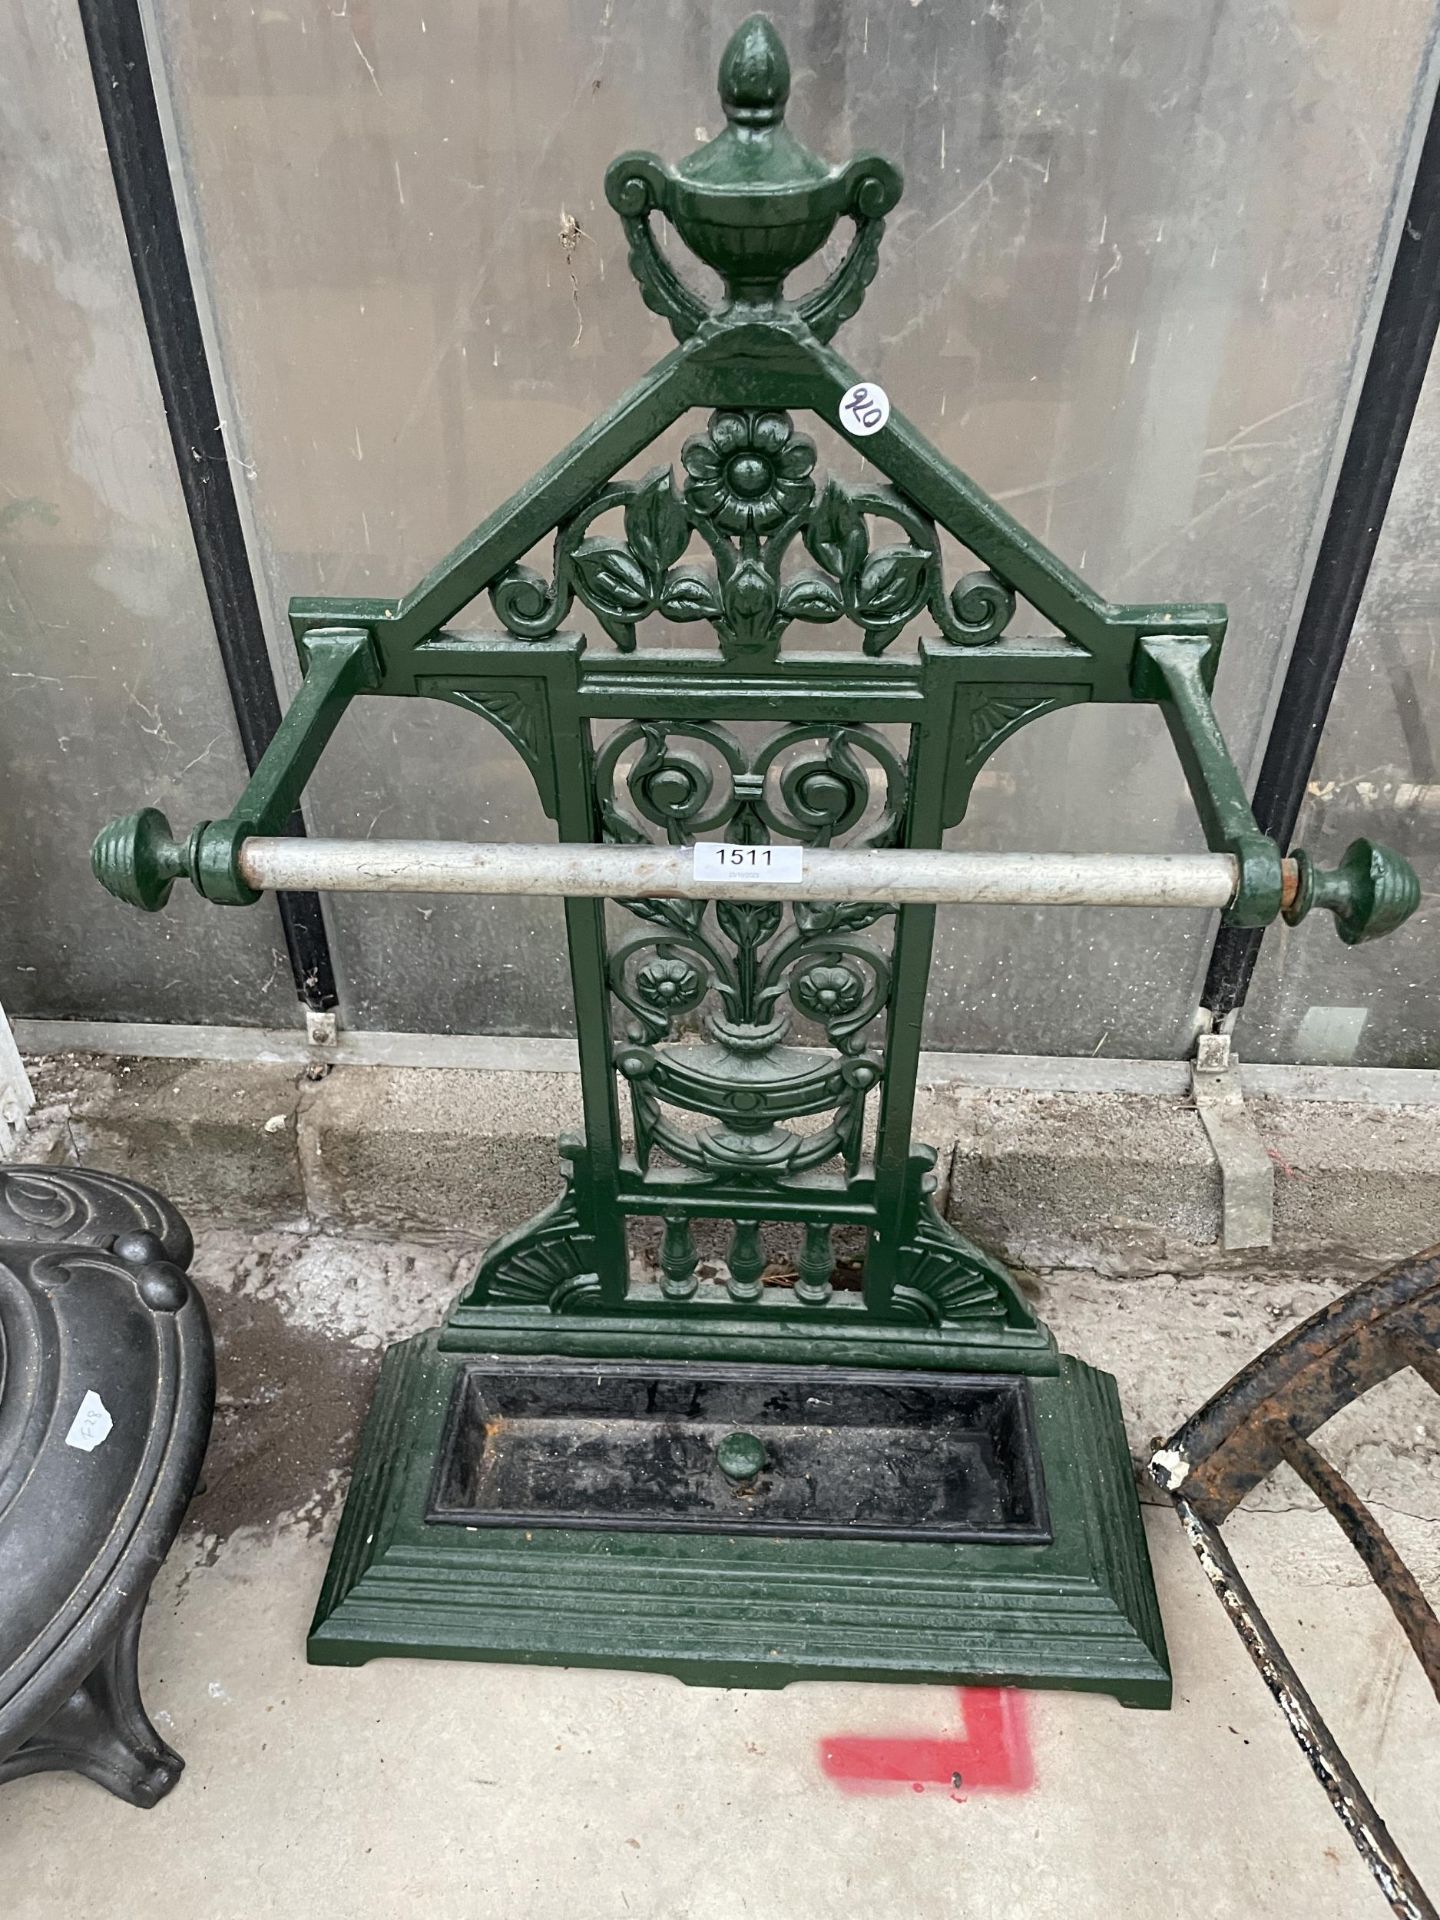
{"type": "Point", "coordinates": [686, 873]}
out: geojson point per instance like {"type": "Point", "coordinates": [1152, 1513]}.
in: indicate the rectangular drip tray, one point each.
{"type": "Point", "coordinates": [841, 1453]}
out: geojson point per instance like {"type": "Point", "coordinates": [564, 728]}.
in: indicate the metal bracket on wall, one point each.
{"type": "Point", "coordinates": [322, 1029]}
{"type": "Point", "coordinates": [1247, 1173]}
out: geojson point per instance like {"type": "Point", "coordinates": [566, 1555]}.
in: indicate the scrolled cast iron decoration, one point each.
{"type": "Point", "coordinates": [765, 967]}
{"type": "Point", "coordinates": [748, 494]}
{"type": "Point", "coordinates": [769, 1043]}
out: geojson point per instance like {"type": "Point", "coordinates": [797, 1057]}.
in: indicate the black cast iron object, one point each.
{"type": "Point", "coordinates": [86, 1207]}
{"type": "Point", "coordinates": [1266, 1415]}
{"type": "Point", "coordinates": [107, 1385]}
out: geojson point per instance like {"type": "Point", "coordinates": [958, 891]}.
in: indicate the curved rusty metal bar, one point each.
{"type": "Point", "coordinates": [1232, 1443]}
{"type": "Point", "coordinates": [1353, 1806]}
{"type": "Point", "coordinates": [1265, 1416]}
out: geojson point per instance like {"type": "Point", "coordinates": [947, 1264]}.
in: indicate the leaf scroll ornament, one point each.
{"type": "Point", "coordinates": [810, 596]}
{"type": "Point", "coordinates": [690, 594]}
{"type": "Point", "coordinates": [893, 586]}
{"type": "Point", "coordinates": [656, 527]}
{"type": "Point", "coordinates": [612, 581]}
{"type": "Point", "coordinates": [749, 493]}
{"type": "Point", "coordinates": [835, 534]}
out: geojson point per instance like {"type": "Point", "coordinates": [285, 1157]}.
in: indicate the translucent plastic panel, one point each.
{"type": "Point", "coordinates": [1125, 289]}
{"type": "Point", "coordinates": [1377, 775]}
{"type": "Point", "coordinates": [111, 693]}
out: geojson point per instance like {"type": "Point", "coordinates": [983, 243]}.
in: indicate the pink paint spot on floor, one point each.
{"type": "Point", "coordinates": [991, 1755]}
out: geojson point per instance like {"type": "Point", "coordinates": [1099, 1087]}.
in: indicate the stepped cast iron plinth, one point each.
{"type": "Point", "coordinates": [747, 1472]}
{"type": "Point", "coordinates": [106, 1389]}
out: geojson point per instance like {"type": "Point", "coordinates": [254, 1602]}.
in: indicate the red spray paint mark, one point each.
{"type": "Point", "coordinates": [992, 1755]}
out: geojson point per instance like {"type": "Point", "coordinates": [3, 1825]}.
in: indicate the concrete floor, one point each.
{"type": "Point", "coordinates": [506, 1791]}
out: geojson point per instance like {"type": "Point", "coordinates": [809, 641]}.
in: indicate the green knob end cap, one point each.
{"type": "Point", "coordinates": [1370, 893]}
{"type": "Point", "coordinates": [138, 859]}
{"type": "Point", "coordinates": [740, 1457]}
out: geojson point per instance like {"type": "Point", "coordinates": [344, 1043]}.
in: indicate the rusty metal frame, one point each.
{"type": "Point", "coordinates": [1266, 1416]}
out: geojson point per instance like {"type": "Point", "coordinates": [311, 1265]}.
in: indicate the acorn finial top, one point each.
{"type": "Point", "coordinates": [754, 75]}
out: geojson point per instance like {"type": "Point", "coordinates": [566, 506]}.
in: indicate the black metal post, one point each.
{"type": "Point", "coordinates": [1404, 340]}
{"type": "Point", "coordinates": [138, 160]}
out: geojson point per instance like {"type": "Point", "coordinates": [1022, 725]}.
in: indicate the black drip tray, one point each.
{"type": "Point", "coordinates": [842, 1453]}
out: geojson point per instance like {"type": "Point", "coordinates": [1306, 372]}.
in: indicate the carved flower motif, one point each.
{"type": "Point", "coordinates": [748, 471]}
{"type": "Point", "coordinates": [827, 992]}
{"type": "Point", "coordinates": [669, 985]}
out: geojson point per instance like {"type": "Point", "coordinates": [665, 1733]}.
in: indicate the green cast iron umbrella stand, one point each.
{"type": "Point", "coordinates": [734, 1479]}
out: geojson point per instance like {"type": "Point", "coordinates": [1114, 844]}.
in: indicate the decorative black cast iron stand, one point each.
{"type": "Point", "coordinates": [736, 1481]}
{"type": "Point", "coordinates": [107, 1384]}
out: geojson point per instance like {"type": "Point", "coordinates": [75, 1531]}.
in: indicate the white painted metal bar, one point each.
{"type": "Point", "coordinates": [17, 1097]}
{"type": "Point", "coordinates": [614, 872]}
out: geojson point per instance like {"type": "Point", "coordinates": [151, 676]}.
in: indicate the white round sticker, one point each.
{"type": "Point", "coordinates": [864, 409]}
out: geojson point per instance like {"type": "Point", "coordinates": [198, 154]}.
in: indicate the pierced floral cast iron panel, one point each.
{"type": "Point", "coordinates": [760, 967]}
{"type": "Point", "coordinates": [750, 493]}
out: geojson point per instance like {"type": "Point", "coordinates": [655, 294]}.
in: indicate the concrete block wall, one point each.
{"type": "Point", "coordinates": [1121, 1182]}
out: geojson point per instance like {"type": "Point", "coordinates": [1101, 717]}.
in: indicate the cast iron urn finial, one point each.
{"type": "Point", "coordinates": [754, 203]}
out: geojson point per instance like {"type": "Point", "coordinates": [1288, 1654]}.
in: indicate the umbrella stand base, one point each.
{"type": "Point", "coordinates": [743, 1608]}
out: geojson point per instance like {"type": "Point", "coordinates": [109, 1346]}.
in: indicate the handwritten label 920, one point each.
{"type": "Point", "coordinates": [92, 1423]}
{"type": "Point", "coordinates": [864, 409]}
{"type": "Point", "coordinates": [725, 860]}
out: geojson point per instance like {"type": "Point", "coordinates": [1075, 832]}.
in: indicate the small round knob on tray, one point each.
{"type": "Point", "coordinates": [740, 1457]}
